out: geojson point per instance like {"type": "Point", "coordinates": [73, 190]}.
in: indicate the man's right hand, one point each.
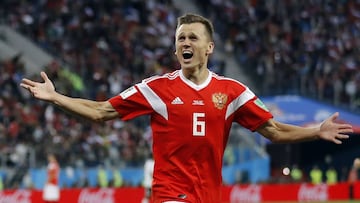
{"type": "Point", "coordinates": [43, 91]}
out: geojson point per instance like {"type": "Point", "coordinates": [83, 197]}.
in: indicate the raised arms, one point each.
{"type": "Point", "coordinates": [93, 110]}
{"type": "Point", "coordinates": [284, 133]}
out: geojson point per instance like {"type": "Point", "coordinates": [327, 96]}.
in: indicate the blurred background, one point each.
{"type": "Point", "coordinates": [301, 57]}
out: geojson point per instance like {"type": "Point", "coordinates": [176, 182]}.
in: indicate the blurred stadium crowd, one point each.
{"type": "Point", "coordinates": [289, 47]}
{"type": "Point", "coordinates": [301, 47]}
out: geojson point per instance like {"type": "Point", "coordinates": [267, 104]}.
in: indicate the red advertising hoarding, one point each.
{"type": "Point", "coordinates": [231, 194]}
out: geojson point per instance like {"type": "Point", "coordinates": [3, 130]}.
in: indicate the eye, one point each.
{"type": "Point", "coordinates": [193, 37]}
{"type": "Point", "coordinates": [181, 38]}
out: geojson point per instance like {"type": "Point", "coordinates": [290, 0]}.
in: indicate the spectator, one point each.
{"type": "Point", "coordinates": [299, 40]}
{"type": "Point", "coordinates": [117, 180]}
{"type": "Point", "coordinates": [296, 173]}
{"type": "Point", "coordinates": [353, 173]}
{"type": "Point", "coordinates": [177, 146]}
{"type": "Point", "coordinates": [316, 175]}
{"type": "Point", "coordinates": [331, 176]}
{"type": "Point", "coordinates": [116, 59]}
{"type": "Point", "coordinates": [1, 183]}
{"type": "Point", "coordinates": [102, 177]}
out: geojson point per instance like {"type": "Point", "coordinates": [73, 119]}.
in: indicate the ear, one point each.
{"type": "Point", "coordinates": [210, 48]}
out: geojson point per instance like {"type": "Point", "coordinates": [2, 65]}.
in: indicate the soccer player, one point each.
{"type": "Point", "coordinates": [192, 110]}
{"type": "Point", "coordinates": [51, 192]}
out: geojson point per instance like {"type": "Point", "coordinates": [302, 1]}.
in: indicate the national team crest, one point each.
{"type": "Point", "coordinates": [219, 100]}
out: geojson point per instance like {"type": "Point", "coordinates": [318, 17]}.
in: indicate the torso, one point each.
{"type": "Point", "coordinates": [190, 125]}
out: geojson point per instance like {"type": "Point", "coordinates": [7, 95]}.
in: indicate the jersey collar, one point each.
{"type": "Point", "coordinates": [192, 84]}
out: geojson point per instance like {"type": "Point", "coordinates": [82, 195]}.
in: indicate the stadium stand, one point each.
{"type": "Point", "coordinates": [309, 48]}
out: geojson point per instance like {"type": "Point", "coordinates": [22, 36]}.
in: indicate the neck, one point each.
{"type": "Point", "coordinates": [197, 76]}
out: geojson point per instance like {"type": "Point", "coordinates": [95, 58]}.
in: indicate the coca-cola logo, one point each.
{"type": "Point", "coordinates": [309, 193]}
{"type": "Point", "coordinates": [102, 195]}
{"type": "Point", "coordinates": [250, 193]}
{"type": "Point", "coordinates": [19, 196]}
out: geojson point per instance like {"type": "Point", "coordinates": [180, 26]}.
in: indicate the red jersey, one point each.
{"type": "Point", "coordinates": [190, 125]}
{"type": "Point", "coordinates": [53, 170]}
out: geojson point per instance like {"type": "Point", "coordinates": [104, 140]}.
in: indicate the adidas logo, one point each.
{"type": "Point", "coordinates": [177, 100]}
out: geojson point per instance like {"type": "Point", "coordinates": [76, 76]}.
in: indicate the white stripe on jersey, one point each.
{"type": "Point", "coordinates": [154, 100]}
{"type": "Point", "coordinates": [170, 76]}
{"type": "Point", "coordinates": [239, 101]}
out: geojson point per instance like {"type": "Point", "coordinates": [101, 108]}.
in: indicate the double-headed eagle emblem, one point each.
{"type": "Point", "coordinates": [219, 100]}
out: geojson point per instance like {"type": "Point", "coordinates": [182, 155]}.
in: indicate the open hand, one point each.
{"type": "Point", "coordinates": [334, 132]}
{"type": "Point", "coordinates": [43, 91]}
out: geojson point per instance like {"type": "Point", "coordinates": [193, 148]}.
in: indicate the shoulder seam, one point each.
{"type": "Point", "coordinates": [170, 76]}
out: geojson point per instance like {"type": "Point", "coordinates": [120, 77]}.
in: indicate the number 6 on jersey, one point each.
{"type": "Point", "coordinates": [198, 124]}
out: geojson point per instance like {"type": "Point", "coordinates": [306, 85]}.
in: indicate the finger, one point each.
{"type": "Point", "coordinates": [26, 86]}
{"type": "Point", "coordinates": [342, 136]}
{"type": "Point", "coordinates": [345, 126]}
{"type": "Point", "coordinates": [336, 141]}
{"type": "Point", "coordinates": [44, 76]}
{"type": "Point", "coordinates": [345, 131]}
{"type": "Point", "coordinates": [334, 116]}
{"type": "Point", "coordinates": [28, 82]}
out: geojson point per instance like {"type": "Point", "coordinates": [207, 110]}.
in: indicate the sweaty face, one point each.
{"type": "Point", "coordinates": [193, 45]}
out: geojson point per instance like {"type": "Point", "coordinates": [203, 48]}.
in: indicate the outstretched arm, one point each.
{"type": "Point", "coordinates": [93, 110]}
{"type": "Point", "coordinates": [329, 130]}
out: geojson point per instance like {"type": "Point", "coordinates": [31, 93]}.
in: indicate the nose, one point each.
{"type": "Point", "coordinates": [185, 46]}
{"type": "Point", "coordinates": [186, 42]}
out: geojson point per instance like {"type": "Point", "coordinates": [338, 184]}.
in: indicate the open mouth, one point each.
{"type": "Point", "coordinates": [187, 54]}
